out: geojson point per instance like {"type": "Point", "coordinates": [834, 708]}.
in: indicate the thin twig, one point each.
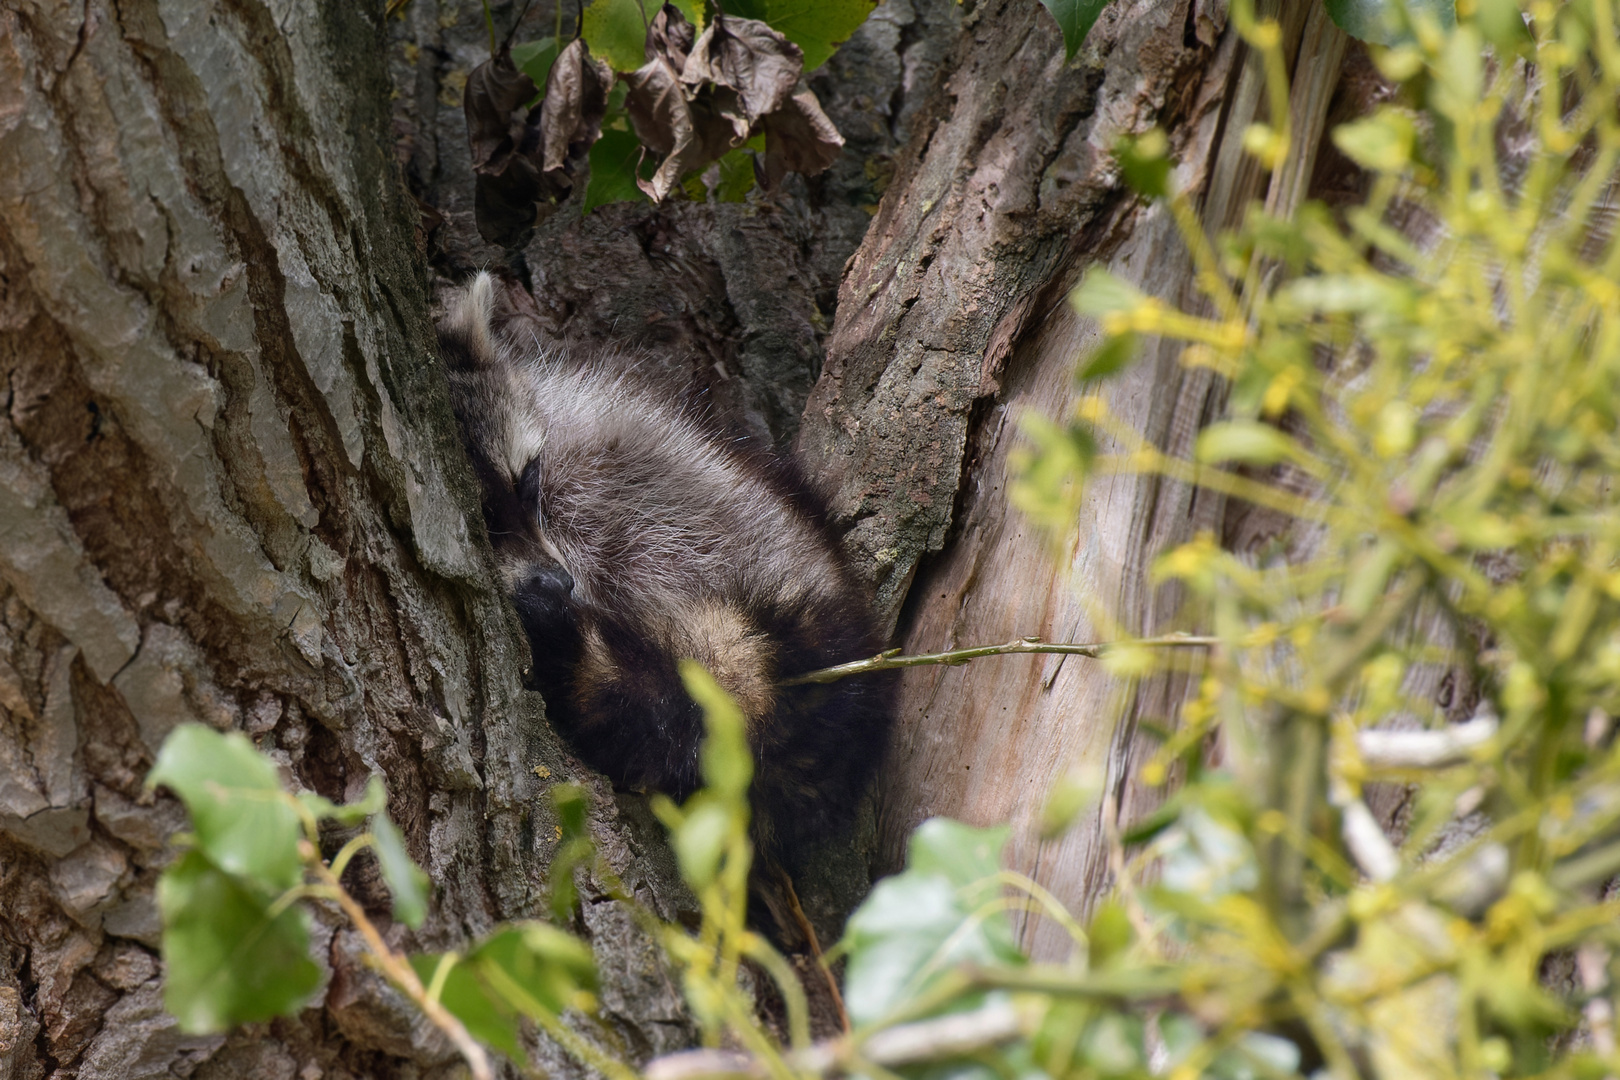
{"type": "Point", "coordinates": [1440, 749]}
{"type": "Point", "coordinates": [889, 661]}
{"type": "Point", "coordinates": [400, 973]}
{"type": "Point", "coordinates": [926, 1040]}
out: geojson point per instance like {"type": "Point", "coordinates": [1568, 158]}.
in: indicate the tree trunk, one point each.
{"type": "Point", "coordinates": [952, 323]}
{"type": "Point", "coordinates": [230, 492]}
{"type": "Point", "coordinates": [230, 489]}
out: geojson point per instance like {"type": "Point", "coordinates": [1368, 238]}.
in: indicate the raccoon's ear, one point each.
{"type": "Point", "coordinates": [465, 337]}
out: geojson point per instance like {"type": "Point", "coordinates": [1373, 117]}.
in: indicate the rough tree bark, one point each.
{"type": "Point", "coordinates": [951, 322]}
{"type": "Point", "coordinates": [229, 488]}
{"type": "Point", "coordinates": [230, 492]}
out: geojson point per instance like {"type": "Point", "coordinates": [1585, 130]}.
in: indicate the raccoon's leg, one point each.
{"type": "Point", "coordinates": [545, 605]}
{"type": "Point", "coordinates": [631, 716]}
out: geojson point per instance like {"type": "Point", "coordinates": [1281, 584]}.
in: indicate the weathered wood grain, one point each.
{"type": "Point", "coordinates": [950, 326]}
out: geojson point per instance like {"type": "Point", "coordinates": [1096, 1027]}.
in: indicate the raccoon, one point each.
{"type": "Point", "coordinates": [632, 530]}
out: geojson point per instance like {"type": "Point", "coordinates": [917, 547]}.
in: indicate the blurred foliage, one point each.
{"type": "Point", "coordinates": [1426, 386]}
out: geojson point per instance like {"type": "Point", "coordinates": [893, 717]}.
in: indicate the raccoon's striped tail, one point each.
{"type": "Point", "coordinates": [466, 333]}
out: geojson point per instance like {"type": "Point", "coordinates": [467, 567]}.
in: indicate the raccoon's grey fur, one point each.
{"type": "Point", "coordinates": [632, 531]}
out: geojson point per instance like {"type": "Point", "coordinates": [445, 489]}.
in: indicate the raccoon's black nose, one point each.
{"type": "Point", "coordinates": [551, 579]}
{"type": "Point", "coordinates": [545, 604]}
{"type": "Point", "coordinates": [544, 596]}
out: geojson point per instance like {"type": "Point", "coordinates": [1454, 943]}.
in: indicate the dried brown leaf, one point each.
{"type": "Point", "coordinates": [495, 103]}
{"type": "Point", "coordinates": [571, 115]}
{"type": "Point", "coordinates": [799, 138]}
{"type": "Point", "coordinates": [746, 56]}
{"type": "Point", "coordinates": [669, 37]}
{"type": "Point", "coordinates": [501, 137]}
{"type": "Point", "coordinates": [657, 107]}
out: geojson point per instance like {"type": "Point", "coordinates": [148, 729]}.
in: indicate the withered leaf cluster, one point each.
{"type": "Point", "coordinates": [699, 96]}
{"type": "Point", "coordinates": [526, 160]}
{"type": "Point", "coordinates": [696, 98]}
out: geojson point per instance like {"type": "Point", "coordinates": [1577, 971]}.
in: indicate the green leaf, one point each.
{"type": "Point", "coordinates": [534, 59]}
{"type": "Point", "coordinates": [1342, 294]}
{"type": "Point", "coordinates": [1380, 21]}
{"type": "Point", "coordinates": [1144, 163]}
{"type": "Point", "coordinates": [918, 925]}
{"type": "Point", "coordinates": [1382, 142]}
{"type": "Point", "coordinates": [243, 820]}
{"type": "Point", "coordinates": [614, 158]}
{"type": "Point", "coordinates": [572, 806]}
{"type": "Point", "coordinates": [1075, 18]}
{"type": "Point", "coordinates": [522, 969]}
{"type": "Point", "coordinates": [616, 31]}
{"type": "Point", "coordinates": [696, 12]}
{"type": "Point", "coordinates": [961, 854]}
{"type": "Point", "coordinates": [324, 809]}
{"type": "Point", "coordinates": [1114, 355]}
{"type": "Point", "coordinates": [226, 960]}
{"type": "Point", "coordinates": [728, 764]}
{"type": "Point", "coordinates": [406, 881]}
{"type": "Point", "coordinates": [817, 27]}
{"type": "Point", "coordinates": [1460, 74]}
{"type": "Point", "coordinates": [534, 967]}
{"type": "Point", "coordinates": [1502, 23]}
{"type": "Point", "coordinates": [700, 842]}
{"type": "Point", "coordinates": [1245, 441]}
{"type": "Point", "coordinates": [1101, 293]}
{"type": "Point", "coordinates": [1109, 935]}
{"type": "Point", "coordinates": [488, 1017]}
{"type": "Point", "coordinates": [736, 176]}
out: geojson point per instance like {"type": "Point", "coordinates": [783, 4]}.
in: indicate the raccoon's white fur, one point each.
{"type": "Point", "coordinates": [633, 532]}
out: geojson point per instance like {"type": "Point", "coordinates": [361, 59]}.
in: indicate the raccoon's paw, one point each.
{"type": "Point", "coordinates": [545, 605]}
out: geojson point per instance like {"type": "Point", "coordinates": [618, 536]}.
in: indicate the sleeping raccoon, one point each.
{"type": "Point", "coordinates": [632, 532]}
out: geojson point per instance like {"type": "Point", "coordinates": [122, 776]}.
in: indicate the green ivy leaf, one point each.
{"type": "Point", "coordinates": [1380, 21]}
{"type": "Point", "coordinates": [406, 881]}
{"type": "Point", "coordinates": [1075, 18]}
{"type": "Point", "coordinates": [226, 960]}
{"type": "Point", "coordinates": [242, 819]}
{"type": "Point", "coordinates": [817, 27]}
{"type": "Point", "coordinates": [616, 31]}
{"type": "Point", "coordinates": [613, 170]}
{"type": "Point", "coordinates": [918, 925]}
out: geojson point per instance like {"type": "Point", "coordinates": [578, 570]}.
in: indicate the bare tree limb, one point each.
{"type": "Point", "coordinates": [1425, 749]}
{"type": "Point", "coordinates": [889, 661]}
